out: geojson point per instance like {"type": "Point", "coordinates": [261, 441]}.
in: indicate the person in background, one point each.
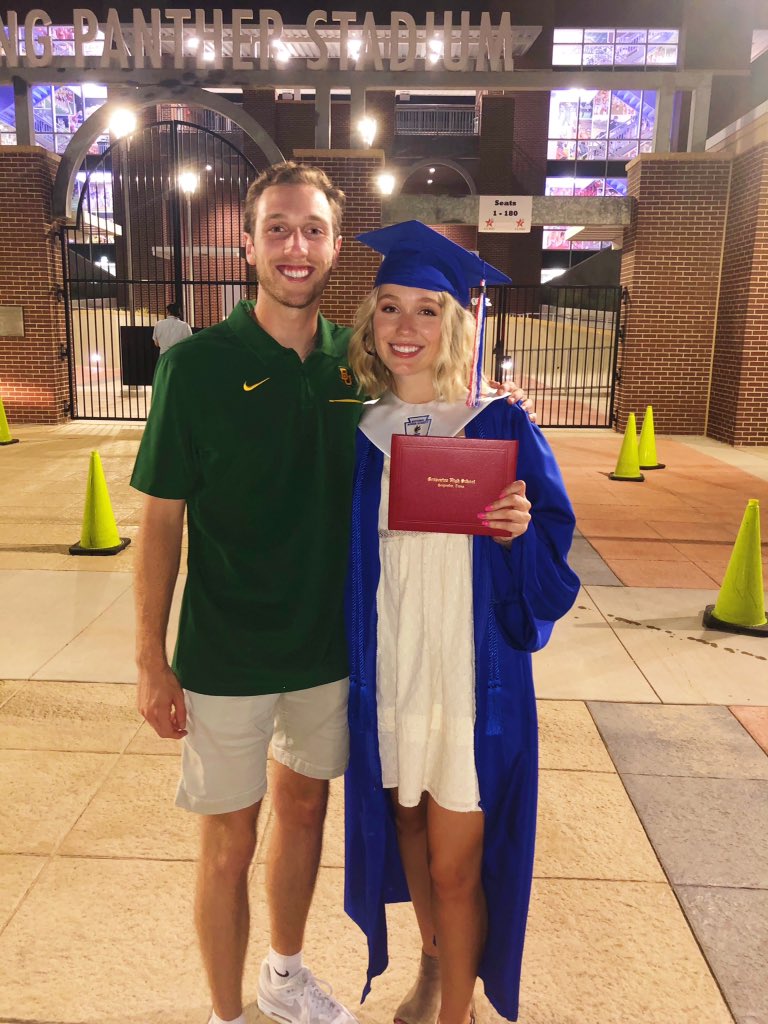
{"type": "Point", "coordinates": [442, 779]}
{"type": "Point", "coordinates": [172, 330]}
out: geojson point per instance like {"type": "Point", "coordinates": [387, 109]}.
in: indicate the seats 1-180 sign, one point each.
{"type": "Point", "coordinates": [505, 214]}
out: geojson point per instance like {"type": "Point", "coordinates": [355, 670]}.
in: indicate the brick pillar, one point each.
{"type": "Point", "coordinates": [671, 267]}
{"type": "Point", "coordinates": [341, 130]}
{"type": "Point", "coordinates": [380, 105]}
{"type": "Point", "coordinates": [295, 125]}
{"type": "Point", "coordinates": [513, 161]}
{"type": "Point", "coordinates": [262, 106]}
{"type": "Point", "coordinates": [354, 171]}
{"type": "Point", "coordinates": [33, 377]}
{"type": "Point", "coordinates": [738, 408]}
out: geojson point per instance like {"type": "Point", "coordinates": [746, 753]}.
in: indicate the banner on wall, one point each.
{"type": "Point", "coordinates": [505, 215]}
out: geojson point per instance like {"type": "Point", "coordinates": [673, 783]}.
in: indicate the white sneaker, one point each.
{"type": "Point", "coordinates": [300, 999]}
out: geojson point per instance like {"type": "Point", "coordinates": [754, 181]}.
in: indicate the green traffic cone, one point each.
{"type": "Point", "coordinates": [5, 433]}
{"type": "Point", "coordinates": [740, 606]}
{"type": "Point", "coordinates": [647, 447]}
{"type": "Point", "coordinates": [99, 535]}
{"type": "Point", "coordinates": [628, 463]}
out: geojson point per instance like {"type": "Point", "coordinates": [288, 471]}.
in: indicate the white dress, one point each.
{"type": "Point", "coordinates": [425, 670]}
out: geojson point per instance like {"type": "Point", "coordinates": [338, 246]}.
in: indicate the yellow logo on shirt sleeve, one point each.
{"type": "Point", "coordinates": [346, 376]}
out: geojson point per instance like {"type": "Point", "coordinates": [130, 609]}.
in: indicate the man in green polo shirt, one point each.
{"type": "Point", "coordinates": [252, 432]}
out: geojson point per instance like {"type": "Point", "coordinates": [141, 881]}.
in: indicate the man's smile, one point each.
{"type": "Point", "coordinates": [293, 272]}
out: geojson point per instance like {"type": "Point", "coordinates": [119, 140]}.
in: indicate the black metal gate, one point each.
{"type": "Point", "coordinates": [158, 222]}
{"type": "Point", "coordinates": [561, 346]}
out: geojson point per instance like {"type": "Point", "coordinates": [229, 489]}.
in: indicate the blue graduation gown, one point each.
{"type": "Point", "coordinates": [518, 593]}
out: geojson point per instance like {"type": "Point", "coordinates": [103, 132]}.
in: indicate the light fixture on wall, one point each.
{"type": "Point", "coordinates": [188, 182]}
{"type": "Point", "coordinates": [122, 122]}
{"type": "Point", "coordinates": [366, 129]}
{"type": "Point", "coordinates": [386, 183]}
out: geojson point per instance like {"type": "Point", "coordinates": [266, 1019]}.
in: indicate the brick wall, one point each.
{"type": "Point", "coordinates": [461, 234]}
{"type": "Point", "coordinates": [353, 171]}
{"type": "Point", "coordinates": [671, 267]}
{"type": "Point", "coordinates": [33, 377]}
{"type": "Point", "coordinates": [513, 162]}
{"type": "Point", "coordinates": [738, 411]}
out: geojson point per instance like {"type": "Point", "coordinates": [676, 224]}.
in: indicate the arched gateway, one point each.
{"type": "Point", "coordinates": [158, 220]}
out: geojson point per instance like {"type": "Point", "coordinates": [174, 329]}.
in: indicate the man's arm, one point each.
{"type": "Point", "coordinates": [160, 697]}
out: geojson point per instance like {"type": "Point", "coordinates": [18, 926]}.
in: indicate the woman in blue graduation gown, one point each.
{"type": "Point", "coordinates": [413, 345]}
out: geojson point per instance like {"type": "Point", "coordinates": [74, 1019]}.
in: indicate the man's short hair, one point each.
{"type": "Point", "coordinates": [173, 308]}
{"type": "Point", "coordinates": [293, 173]}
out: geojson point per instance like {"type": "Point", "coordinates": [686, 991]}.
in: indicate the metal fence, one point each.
{"type": "Point", "coordinates": [158, 221]}
{"type": "Point", "coordinates": [561, 346]}
{"type": "Point", "coordinates": [425, 119]}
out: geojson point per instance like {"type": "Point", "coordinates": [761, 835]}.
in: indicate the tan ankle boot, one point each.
{"type": "Point", "coordinates": [422, 1004]}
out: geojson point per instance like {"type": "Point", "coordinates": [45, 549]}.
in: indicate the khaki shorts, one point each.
{"type": "Point", "coordinates": [224, 759]}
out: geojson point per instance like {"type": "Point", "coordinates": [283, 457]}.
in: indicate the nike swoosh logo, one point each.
{"type": "Point", "coordinates": [250, 387]}
{"type": "Point", "coordinates": [354, 401]}
{"type": "Point", "coordinates": [279, 973]}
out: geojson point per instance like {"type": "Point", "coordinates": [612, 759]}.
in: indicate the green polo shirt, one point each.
{"type": "Point", "coordinates": [261, 448]}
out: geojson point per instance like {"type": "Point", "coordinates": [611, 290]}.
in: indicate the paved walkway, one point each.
{"type": "Point", "coordinates": [650, 902]}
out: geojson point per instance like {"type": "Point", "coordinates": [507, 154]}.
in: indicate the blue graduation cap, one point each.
{"type": "Point", "coordinates": [418, 257]}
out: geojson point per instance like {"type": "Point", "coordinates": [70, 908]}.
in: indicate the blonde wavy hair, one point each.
{"type": "Point", "coordinates": [452, 368]}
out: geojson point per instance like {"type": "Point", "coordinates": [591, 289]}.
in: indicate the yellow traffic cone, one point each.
{"type": "Point", "coordinates": [5, 434]}
{"type": "Point", "coordinates": [740, 606]}
{"type": "Point", "coordinates": [647, 448]}
{"type": "Point", "coordinates": [99, 535]}
{"type": "Point", "coordinates": [628, 465]}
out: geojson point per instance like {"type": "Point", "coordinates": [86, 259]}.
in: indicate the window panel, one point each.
{"type": "Point", "coordinates": [648, 115]}
{"type": "Point", "coordinates": [631, 35]}
{"type": "Point", "coordinates": [622, 149]}
{"type": "Point", "coordinates": [663, 35]}
{"type": "Point", "coordinates": [615, 186]}
{"type": "Point", "coordinates": [625, 115]}
{"type": "Point", "coordinates": [598, 55]}
{"type": "Point", "coordinates": [646, 146]}
{"type": "Point", "coordinates": [599, 35]}
{"type": "Point", "coordinates": [662, 55]}
{"type": "Point", "coordinates": [569, 35]}
{"type": "Point", "coordinates": [630, 55]}
{"type": "Point", "coordinates": [570, 55]}
{"type": "Point", "coordinates": [554, 238]}
{"type": "Point", "coordinates": [561, 149]}
{"type": "Point", "coordinates": [591, 150]}
{"type": "Point", "coordinates": [588, 186]}
{"type": "Point", "coordinates": [42, 97]}
{"type": "Point", "coordinates": [581, 246]}
{"type": "Point", "coordinates": [45, 140]}
{"type": "Point", "coordinates": [558, 187]}
{"type": "Point", "coordinates": [563, 115]}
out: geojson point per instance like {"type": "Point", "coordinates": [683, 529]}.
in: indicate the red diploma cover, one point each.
{"type": "Point", "coordinates": [439, 484]}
